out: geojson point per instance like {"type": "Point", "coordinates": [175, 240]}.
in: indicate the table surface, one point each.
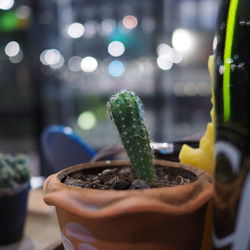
{"type": "Point", "coordinates": [41, 229]}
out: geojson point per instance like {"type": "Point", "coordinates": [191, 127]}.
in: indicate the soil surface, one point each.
{"type": "Point", "coordinates": [125, 178]}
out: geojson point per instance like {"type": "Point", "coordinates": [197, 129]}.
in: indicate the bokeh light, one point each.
{"type": "Point", "coordinates": [116, 68]}
{"type": "Point", "coordinates": [42, 57]}
{"type": "Point", "coordinates": [52, 57]}
{"type": "Point", "coordinates": [12, 49]}
{"type": "Point", "coordinates": [175, 56]}
{"type": "Point", "coordinates": [182, 40]}
{"type": "Point", "coordinates": [129, 22]}
{"type": "Point", "coordinates": [89, 64]}
{"type": "Point", "coordinates": [116, 48]}
{"type": "Point", "coordinates": [90, 29]}
{"type": "Point", "coordinates": [164, 62]}
{"type": "Point", "coordinates": [163, 49]}
{"type": "Point", "coordinates": [86, 120]}
{"type": "Point", "coordinates": [215, 42]}
{"type": "Point", "coordinates": [17, 58]}
{"type": "Point", "coordinates": [75, 30]}
{"type": "Point", "coordinates": [74, 63]}
{"type": "Point", "coordinates": [23, 12]}
{"type": "Point", "coordinates": [6, 4]}
{"type": "Point", "coordinates": [58, 64]}
{"type": "Point", "coordinates": [107, 26]}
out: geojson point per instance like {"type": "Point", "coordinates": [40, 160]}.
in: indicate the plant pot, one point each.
{"type": "Point", "coordinates": [159, 218]}
{"type": "Point", "coordinates": [13, 209]}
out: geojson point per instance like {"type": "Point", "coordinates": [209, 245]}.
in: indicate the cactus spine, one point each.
{"type": "Point", "coordinates": [125, 108]}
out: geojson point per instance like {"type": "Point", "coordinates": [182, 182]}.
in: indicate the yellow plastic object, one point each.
{"type": "Point", "coordinates": [203, 157]}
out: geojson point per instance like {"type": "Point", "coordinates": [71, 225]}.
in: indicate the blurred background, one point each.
{"type": "Point", "coordinates": [60, 60]}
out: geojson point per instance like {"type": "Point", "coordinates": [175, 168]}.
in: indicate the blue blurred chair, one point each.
{"type": "Point", "coordinates": [62, 147]}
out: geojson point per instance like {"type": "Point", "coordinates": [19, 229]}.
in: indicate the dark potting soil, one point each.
{"type": "Point", "coordinates": [125, 178]}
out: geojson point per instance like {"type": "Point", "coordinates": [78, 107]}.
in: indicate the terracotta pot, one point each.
{"type": "Point", "coordinates": [160, 218]}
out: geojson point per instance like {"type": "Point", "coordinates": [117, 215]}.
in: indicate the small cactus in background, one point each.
{"type": "Point", "coordinates": [125, 108]}
{"type": "Point", "coordinates": [13, 170]}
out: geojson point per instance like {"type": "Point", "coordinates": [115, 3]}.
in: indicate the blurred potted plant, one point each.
{"type": "Point", "coordinates": [14, 186]}
{"type": "Point", "coordinates": [155, 204]}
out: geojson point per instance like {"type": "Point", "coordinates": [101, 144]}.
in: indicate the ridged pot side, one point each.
{"type": "Point", "coordinates": [133, 219]}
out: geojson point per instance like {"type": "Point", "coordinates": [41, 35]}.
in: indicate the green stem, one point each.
{"type": "Point", "coordinates": [125, 109]}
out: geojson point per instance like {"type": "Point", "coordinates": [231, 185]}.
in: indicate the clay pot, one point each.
{"type": "Point", "coordinates": [13, 210]}
{"type": "Point", "coordinates": [149, 219]}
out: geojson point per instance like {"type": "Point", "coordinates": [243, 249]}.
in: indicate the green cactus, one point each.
{"type": "Point", "coordinates": [13, 170]}
{"type": "Point", "coordinates": [125, 108]}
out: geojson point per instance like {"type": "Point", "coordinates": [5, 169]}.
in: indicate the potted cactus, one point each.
{"type": "Point", "coordinates": [14, 186]}
{"type": "Point", "coordinates": [139, 204]}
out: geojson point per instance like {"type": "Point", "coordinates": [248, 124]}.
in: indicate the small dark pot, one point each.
{"type": "Point", "coordinates": [13, 210]}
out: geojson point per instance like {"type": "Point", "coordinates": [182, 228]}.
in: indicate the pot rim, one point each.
{"type": "Point", "coordinates": [94, 203]}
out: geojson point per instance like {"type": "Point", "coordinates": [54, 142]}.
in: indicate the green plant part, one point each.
{"type": "Point", "coordinates": [125, 108]}
{"type": "Point", "coordinates": [13, 170]}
